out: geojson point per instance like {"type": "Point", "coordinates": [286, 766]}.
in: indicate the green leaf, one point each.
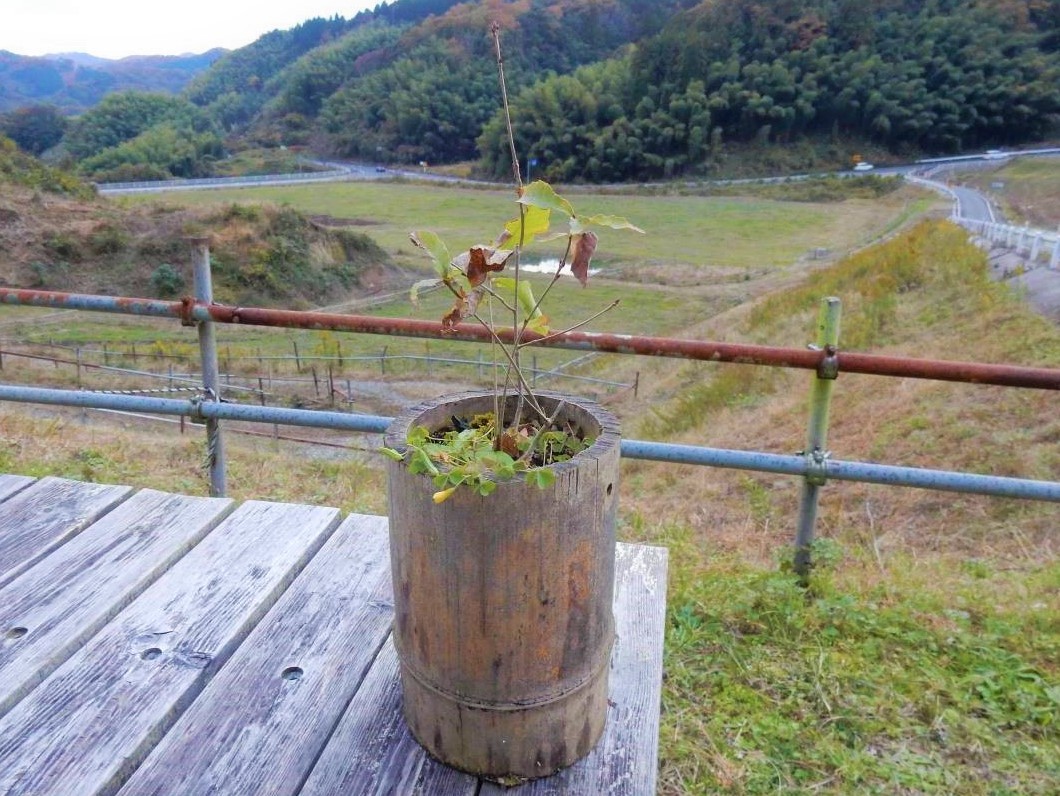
{"type": "Point", "coordinates": [535, 222]}
{"type": "Point", "coordinates": [392, 454]}
{"type": "Point", "coordinates": [525, 297]}
{"type": "Point", "coordinates": [614, 222]}
{"type": "Point", "coordinates": [542, 478]}
{"type": "Point", "coordinates": [423, 284]}
{"type": "Point", "coordinates": [436, 249]}
{"type": "Point", "coordinates": [540, 194]}
{"type": "Point", "coordinates": [421, 463]}
{"type": "Point", "coordinates": [487, 487]}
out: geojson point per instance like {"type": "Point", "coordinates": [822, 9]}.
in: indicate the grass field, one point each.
{"type": "Point", "coordinates": [695, 231]}
{"type": "Point", "coordinates": [925, 656]}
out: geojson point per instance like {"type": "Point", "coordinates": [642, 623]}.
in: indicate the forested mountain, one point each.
{"type": "Point", "coordinates": [234, 90]}
{"type": "Point", "coordinates": [73, 82]}
{"type": "Point", "coordinates": [610, 90]}
{"type": "Point", "coordinates": [915, 77]}
{"type": "Point", "coordinates": [633, 89]}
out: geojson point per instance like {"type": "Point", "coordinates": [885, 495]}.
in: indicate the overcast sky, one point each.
{"type": "Point", "coordinates": [117, 28]}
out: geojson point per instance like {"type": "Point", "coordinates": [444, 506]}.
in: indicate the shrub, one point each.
{"type": "Point", "coordinates": [108, 239]}
{"type": "Point", "coordinates": [167, 281]}
{"type": "Point", "coordinates": [64, 246]}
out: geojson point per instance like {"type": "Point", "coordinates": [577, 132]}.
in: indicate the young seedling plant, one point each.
{"type": "Point", "coordinates": [486, 284]}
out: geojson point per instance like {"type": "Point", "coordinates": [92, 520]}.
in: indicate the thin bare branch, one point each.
{"type": "Point", "coordinates": [574, 328]}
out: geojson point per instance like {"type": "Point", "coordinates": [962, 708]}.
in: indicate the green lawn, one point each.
{"type": "Point", "coordinates": [692, 230]}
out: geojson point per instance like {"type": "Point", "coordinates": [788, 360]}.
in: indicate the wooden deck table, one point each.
{"type": "Point", "coordinates": [154, 643]}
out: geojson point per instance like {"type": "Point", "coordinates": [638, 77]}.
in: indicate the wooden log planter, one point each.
{"type": "Point", "coordinates": [503, 604]}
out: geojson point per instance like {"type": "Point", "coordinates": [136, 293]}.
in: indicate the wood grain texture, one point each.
{"type": "Point", "coordinates": [43, 516]}
{"type": "Point", "coordinates": [10, 484]}
{"type": "Point", "coordinates": [373, 752]}
{"type": "Point", "coordinates": [626, 759]}
{"type": "Point", "coordinates": [89, 725]}
{"type": "Point", "coordinates": [504, 606]}
{"type": "Point", "coordinates": [266, 716]}
{"type": "Point", "coordinates": [50, 610]}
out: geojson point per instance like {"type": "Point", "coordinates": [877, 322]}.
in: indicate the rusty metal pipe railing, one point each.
{"type": "Point", "coordinates": [191, 312]}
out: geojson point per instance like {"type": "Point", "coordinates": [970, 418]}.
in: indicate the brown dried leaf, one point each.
{"type": "Point", "coordinates": [482, 260]}
{"type": "Point", "coordinates": [466, 304]}
{"type": "Point", "coordinates": [509, 443]}
{"type": "Point", "coordinates": [454, 316]}
{"type": "Point", "coordinates": [582, 251]}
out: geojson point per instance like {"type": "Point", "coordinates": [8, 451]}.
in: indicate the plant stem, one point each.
{"type": "Point", "coordinates": [523, 387]}
{"type": "Point", "coordinates": [576, 326]}
{"type": "Point", "coordinates": [495, 31]}
{"type": "Point", "coordinates": [548, 288]}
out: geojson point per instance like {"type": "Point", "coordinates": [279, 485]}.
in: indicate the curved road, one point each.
{"type": "Point", "coordinates": [972, 204]}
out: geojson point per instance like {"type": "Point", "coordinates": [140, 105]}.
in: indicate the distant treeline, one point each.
{"type": "Point", "coordinates": [603, 90]}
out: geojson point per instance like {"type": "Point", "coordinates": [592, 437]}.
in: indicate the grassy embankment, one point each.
{"type": "Point", "coordinates": [924, 657]}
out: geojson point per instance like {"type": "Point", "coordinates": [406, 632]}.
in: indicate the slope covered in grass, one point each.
{"type": "Point", "coordinates": [924, 657]}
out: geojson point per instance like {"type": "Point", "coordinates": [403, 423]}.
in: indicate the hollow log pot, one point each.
{"type": "Point", "coordinates": [503, 604]}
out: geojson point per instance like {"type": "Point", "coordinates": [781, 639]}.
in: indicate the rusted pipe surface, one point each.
{"type": "Point", "coordinates": [706, 351]}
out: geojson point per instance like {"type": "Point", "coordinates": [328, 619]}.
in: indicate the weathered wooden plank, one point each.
{"type": "Point", "coordinates": [626, 759]}
{"type": "Point", "coordinates": [267, 714]}
{"type": "Point", "coordinates": [10, 484]}
{"type": "Point", "coordinates": [40, 518]}
{"type": "Point", "coordinates": [87, 726]}
{"type": "Point", "coordinates": [372, 751]}
{"type": "Point", "coordinates": [50, 610]}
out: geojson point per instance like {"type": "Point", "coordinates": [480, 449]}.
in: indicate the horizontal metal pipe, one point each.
{"type": "Point", "coordinates": [871, 364]}
{"type": "Point", "coordinates": [196, 409]}
{"type": "Point", "coordinates": [941, 480]}
{"type": "Point", "coordinates": [633, 449]}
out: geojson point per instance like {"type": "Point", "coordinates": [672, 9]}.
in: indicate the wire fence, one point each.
{"type": "Point", "coordinates": [269, 377]}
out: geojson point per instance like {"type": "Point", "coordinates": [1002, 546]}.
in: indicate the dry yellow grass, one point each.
{"type": "Point", "coordinates": [955, 313]}
{"type": "Point", "coordinates": [110, 449]}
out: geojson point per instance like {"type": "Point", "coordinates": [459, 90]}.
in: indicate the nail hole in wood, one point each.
{"type": "Point", "coordinates": [17, 632]}
{"type": "Point", "coordinates": [292, 673]}
{"type": "Point", "coordinates": [610, 487]}
{"type": "Point", "coordinates": [150, 654]}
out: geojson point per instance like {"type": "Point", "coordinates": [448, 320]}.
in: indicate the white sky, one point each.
{"type": "Point", "coordinates": [117, 28]}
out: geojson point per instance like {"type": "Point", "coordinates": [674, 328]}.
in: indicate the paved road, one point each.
{"type": "Point", "coordinates": [972, 204]}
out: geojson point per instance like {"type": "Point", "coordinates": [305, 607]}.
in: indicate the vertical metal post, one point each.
{"type": "Point", "coordinates": [1036, 246]}
{"type": "Point", "coordinates": [1054, 261]}
{"type": "Point", "coordinates": [817, 437]}
{"type": "Point", "coordinates": [211, 379]}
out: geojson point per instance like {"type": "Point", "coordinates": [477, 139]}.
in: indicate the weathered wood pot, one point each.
{"type": "Point", "coordinates": [503, 604]}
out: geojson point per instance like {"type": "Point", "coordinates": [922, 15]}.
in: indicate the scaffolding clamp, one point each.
{"type": "Point", "coordinates": [196, 414]}
{"type": "Point", "coordinates": [828, 367]}
{"type": "Point", "coordinates": [187, 306]}
{"type": "Point", "coordinates": [816, 466]}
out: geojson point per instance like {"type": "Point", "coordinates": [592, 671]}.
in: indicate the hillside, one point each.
{"type": "Point", "coordinates": [74, 82]}
{"type": "Point", "coordinates": [608, 90]}
{"type": "Point", "coordinates": [56, 235]}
